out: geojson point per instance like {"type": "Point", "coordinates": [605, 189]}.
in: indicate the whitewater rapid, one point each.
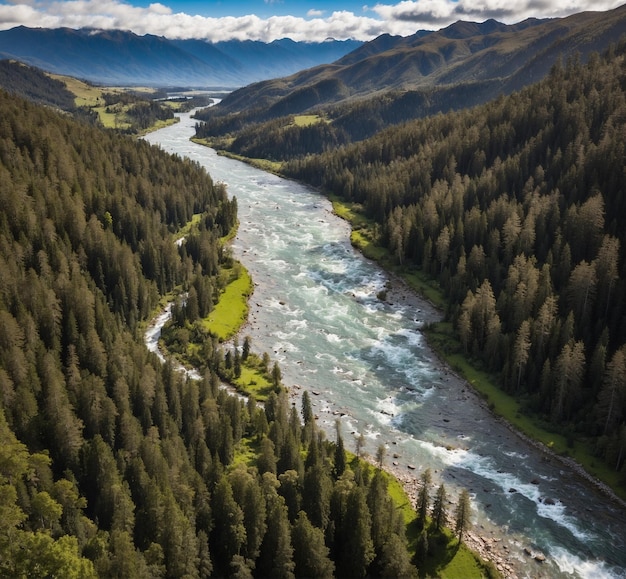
{"type": "Point", "coordinates": [316, 310]}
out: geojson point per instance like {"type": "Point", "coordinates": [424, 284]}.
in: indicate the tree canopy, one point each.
{"type": "Point", "coordinates": [113, 464]}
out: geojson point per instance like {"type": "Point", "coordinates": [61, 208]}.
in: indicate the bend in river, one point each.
{"type": "Point", "coordinates": [315, 310]}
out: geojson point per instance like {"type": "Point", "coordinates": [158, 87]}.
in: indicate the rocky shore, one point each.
{"type": "Point", "coordinates": [489, 548]}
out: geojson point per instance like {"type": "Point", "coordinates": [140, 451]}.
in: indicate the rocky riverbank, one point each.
{"type": "Point", "coordinates": [488, 547]}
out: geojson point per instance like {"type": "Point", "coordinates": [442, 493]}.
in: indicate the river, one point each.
{"type": "Point", "coordinates": [365, 362]}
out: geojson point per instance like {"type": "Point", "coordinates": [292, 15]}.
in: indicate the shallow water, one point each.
{"type": "Point", "coordinates": [365, 362]}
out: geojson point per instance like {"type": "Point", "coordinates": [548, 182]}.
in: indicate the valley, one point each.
{"type": "Point", "coordinates": [315, 309]}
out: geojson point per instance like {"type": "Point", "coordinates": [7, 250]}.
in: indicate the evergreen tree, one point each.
{"type": "Point", "coordinates": [266, 460]}
{"type": "Point", "coordinates": [340, 453]}
{"type": "Point", "coordinates": [356, 550]}
{"type": "Point", "coordinates": [276, 557]}
{"type": "Point", "coordinates": [229, 533]}
{"type": "Point", "coordinates": [439, 514]}
{"type": "Point", "coordinates": [380, 455]}
{"type": "Point", "coordinates": [311, 555]}
{"type": "Point", "coordinates": [421, 550]}
{"type": "Point", "coordinates": [395, 561]}
{"type": "Point", "coordinates": [423, 497]}
{"type": "Point", "coordinates": [316, 492]}
{"type": "Point", "coordinates": [462, 515]}
{"type": "Point", "coordinates": [245, 350]}
{"type": "Point", "coordinates": [612, 398]}
{"type": "Point", "coordinates": [248, 494]}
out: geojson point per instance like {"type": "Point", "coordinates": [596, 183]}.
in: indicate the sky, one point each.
{"type": "Point", "coordinates": [268, 20]}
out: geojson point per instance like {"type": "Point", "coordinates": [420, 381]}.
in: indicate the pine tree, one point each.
{"type": "Point", "coordinates": [423, 497]}
{"type": "Point", "coordinates": [356, 549]}
{"type": "Point", "coordinates": [340, 453]}
{"type": "Point", "coordinates": [229, 533]}
{"type": "Point", "coordinates": [612, 397]}
{"type": "Point", "coordinates": [276, 557]}
{"type": "Point", "coordinates": [311, 555]}
{"type": "Point", "coordinates": [421, 550]}
{"type": "Point", "coordinates": [380, 455]}
{"type": "Point", "coordinates": [248, 494]}
{"type": "Point", "coordinates": [439, 514]}
{"type": "Point", "coordinates": [395, 561]}
{"type": "Point", "coordinates": [521, 350]}
{"type": "Point", "coordinates": [316, 492]}
{"type": "Point", "coordinates": [462, 515]}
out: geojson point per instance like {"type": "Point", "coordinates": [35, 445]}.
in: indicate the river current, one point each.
{"type": "Point", "coordinates": [366, 363]}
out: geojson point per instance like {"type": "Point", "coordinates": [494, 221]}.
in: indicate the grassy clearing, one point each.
{"type": "Point", "coordinates": [263, 164]}
{"type": "Point", "coordinates": [187, 228]}
{"type": "Point", "coordinates": [231, 310]}
{"type": "Point", "coordinates": [113, 117]}
{"type": "Point", "coordinates": [246, 452]}
{"type": "Point", "coordinates": [90, 96]}
{"type": "Point", "coordinates": [425, 286]}
{"type": "Point", "coordinates": [364, 231]}
{"type": "Point", "coordinates": [218, 143]}
{"type": "Point", "coordinates": [221, 145]}
{"type": "Point", "coordinates": [306, 120]}
{"type": "Point", "coordinates": [85, 95]}
{"type": "Point", "coordinates": [254, 379]}
{"type": "Point", "coordinates": [452, 560]}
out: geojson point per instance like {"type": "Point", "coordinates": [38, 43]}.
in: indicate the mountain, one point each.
{"type": "Point", "coordinates": [121, 57]}
{"type": "Point", "coordinates": [488, 58]}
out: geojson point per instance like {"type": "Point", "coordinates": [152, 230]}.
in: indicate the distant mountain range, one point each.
{"type": "Point", "coordinates": [461, 65]}
{"type": "Point", "coordinates": [124, 58]}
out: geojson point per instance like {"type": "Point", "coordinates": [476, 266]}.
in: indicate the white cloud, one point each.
{"type": "Point", "coordinates": [22, 14]}
{"type": "Point", "coordinates": [430, 14]}
{"type": "Point", "coordinates": [402, 18]}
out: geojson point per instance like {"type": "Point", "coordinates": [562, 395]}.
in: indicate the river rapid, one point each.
{"type": "Point", "coordinates": [366, 363]}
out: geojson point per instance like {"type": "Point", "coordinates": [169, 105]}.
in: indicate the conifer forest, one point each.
{"type": "Point", "coordinates": [115, 464]}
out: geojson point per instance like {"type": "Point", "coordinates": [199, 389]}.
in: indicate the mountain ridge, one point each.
{"type": "Point", "coordinates": [123, 57]}
{"type": "Point", "coordinates": [480, 55]}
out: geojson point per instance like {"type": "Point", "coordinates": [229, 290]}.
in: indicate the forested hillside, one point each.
{"type": "Point", "coordinates": [33, 84]}
{"type": "Point", "coordinates": [518, 209]}
{"type": "Point", "coordinates": [113, 464]}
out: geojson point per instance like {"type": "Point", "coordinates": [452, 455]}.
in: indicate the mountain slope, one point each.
{"type": "Point", "coordinates": [120, 57]}
{"type": "Point", "coordinates": [34, 85]}
{"type": "Point", "coordinates": [510, 55]}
